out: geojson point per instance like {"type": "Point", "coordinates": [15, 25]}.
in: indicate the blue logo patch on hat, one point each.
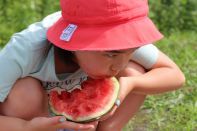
{"type": "Point", "coordinates": [68, 32]}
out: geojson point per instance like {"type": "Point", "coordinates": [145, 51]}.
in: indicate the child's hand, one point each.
{"type": "Point", "coordinates": [53, 124]}
{"type": "Point", "coordinates": [108, 115]}
{"type": "Point", "coordinates": [125, 87]}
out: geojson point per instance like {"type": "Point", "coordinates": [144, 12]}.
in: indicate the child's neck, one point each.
{"type": "Point", "coordinates": [63, 66]}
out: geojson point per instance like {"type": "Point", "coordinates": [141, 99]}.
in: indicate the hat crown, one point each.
{"type": "Point", "coordinates": [102, 11]}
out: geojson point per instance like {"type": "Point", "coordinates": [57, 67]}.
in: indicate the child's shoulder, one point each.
{"type": "Point", "coordinates": [146, 55]}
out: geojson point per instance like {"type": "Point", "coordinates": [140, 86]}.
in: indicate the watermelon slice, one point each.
{"type": "Point", "coordinates": [95, 98]}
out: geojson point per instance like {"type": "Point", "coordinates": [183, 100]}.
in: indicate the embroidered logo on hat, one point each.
{"type": "Point", "coordinates": [68, 32]}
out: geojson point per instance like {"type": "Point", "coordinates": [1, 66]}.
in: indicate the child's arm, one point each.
{"type": "Point", "coordinates": [40, 124]}
{"type": "Point", "coordinates": [11, 124]}
{"type": "Point", "coordinates": [164, 76]}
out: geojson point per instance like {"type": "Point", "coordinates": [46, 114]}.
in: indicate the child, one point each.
{"type": "Point", "coordinates": [97, 39]}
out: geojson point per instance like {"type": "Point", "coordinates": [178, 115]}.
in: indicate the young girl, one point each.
{"type": "Point", "coordinates": [97, 39]}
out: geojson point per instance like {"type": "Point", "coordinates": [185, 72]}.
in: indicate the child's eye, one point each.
{"type": "Point", "coordinates": [111, 55]}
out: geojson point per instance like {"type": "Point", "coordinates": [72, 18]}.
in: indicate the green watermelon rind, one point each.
{"type": "Point", "coordinates": [96, 115]}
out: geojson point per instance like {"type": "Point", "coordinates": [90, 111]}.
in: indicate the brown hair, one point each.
{"type": "Point", "coordinates": [64, 54]}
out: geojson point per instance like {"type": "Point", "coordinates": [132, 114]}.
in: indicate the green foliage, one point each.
{"type": "Point", "coordinates": [16, 15]}
{"type": "Point", "coordinates": [173, 15]}
{"type": "Point", "coordinates": [169, 15]}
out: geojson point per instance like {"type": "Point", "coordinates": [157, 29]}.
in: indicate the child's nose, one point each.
{"type": "Point", "coordinates": [117, 67]}
{"type": "Point", "coordinates": [114, 70]}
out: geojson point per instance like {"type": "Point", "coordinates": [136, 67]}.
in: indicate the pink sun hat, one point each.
{"type": "Point", "coordinates": [103, 25]}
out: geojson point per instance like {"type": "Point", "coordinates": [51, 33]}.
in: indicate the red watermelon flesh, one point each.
{"type": "Point", "coordinates": [95, 99]}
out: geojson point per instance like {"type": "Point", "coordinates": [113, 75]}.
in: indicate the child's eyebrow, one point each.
{"type": "Point", "coordinates": [115, 51]}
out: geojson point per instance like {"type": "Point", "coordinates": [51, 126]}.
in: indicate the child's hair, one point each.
{"type": "Point", "coordinates": [64, 54]}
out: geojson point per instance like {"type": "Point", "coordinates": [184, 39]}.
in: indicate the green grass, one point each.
{"type": "Point", "coordinates": [177, 110]}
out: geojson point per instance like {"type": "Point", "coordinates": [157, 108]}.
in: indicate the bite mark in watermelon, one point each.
{"type": "Point", "coordinates": [96, 98]}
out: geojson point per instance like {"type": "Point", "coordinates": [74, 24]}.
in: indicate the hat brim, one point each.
{"type": "Point", "coordinates": [125, 35]}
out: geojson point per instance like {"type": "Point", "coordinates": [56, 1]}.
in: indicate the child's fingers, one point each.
{"type": "Point", "coordinates": [95, 123]}
{"type": "Point", "coordinates": [108, 114]}
{"type": "Point", "coordinates": [61, 123]}
{"type": "Point", "coordinates": [54, 120]}
{"type": "Point", "coordinates": [75, 126]}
